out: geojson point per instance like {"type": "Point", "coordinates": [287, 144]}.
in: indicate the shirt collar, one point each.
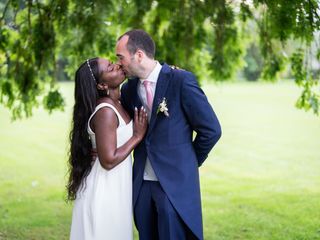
{"type": "Point", "coordinates": [153, 76]}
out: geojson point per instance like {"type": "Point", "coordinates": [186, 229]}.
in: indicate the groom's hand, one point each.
{"type": "Point", "coordinates": [175, 67]}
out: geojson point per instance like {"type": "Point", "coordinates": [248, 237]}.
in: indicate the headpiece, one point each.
{"type": "Point", "coordinates": [91, 70]}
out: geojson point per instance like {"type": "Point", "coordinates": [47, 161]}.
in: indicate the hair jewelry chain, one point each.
{"type": "Point", "coordinates": [91, 70]}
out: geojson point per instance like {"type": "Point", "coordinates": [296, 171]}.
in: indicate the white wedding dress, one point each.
{"type": "Point", "coordinates": [103, 209]}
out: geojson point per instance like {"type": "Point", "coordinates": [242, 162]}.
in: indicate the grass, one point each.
{"type": "Point", "coordinates": [260, 182]}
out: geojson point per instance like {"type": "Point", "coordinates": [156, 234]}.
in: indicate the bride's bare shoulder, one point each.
{"type": "Point", "coordinates": [105, 100]}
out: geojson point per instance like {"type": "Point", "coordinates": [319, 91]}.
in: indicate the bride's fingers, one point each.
{"type": "Point", "coordinates": [140, 114]}
{"type": "Point", "coordinates": [145, 116]}
{"type": "Point", "coordinates": [136, 114]}
{"type": "Point", "coordinates": [142, 117]}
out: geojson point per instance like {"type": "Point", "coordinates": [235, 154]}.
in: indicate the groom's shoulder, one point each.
{"type": "Point", "coordinates": [178, 72]}
{"type": "Point", "coordinates": [184, 77]}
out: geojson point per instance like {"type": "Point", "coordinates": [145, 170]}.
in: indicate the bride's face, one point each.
{"type": "Point", "coordinates": [110, 73]}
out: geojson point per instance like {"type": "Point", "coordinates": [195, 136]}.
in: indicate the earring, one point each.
{"type": "Point", "coordinates": [108, 91]}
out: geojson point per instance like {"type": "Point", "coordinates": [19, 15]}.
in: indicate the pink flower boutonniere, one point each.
{"type": "Point", "coordinates": [163, 107]}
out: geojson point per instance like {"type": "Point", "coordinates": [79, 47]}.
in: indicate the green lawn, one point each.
{"type": "Point", "coordinates": [262, 181]}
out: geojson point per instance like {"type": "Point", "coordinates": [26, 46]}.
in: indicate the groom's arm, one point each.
{"type": "Point", "coordinates": [201, 117]}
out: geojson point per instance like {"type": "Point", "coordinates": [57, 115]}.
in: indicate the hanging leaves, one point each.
{"type": "Point", "coordinates": [208, 37]}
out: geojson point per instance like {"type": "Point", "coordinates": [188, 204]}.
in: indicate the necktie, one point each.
{"type": "Point", "coordinates": [147, 86]}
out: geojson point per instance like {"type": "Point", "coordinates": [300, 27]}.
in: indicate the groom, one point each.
{"type": "Point", "coordinates": [166, 189]}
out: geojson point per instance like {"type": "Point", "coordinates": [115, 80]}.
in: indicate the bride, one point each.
{"type": "Point", "coordinates": [102, 187]}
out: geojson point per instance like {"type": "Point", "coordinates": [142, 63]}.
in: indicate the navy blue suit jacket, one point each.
{"type": "Point", "coordinates": [174, 155]}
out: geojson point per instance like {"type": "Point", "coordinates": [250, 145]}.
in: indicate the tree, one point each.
{"type": "Point", "coordinates": [253, 68]}
{"type": "Point", "coordinates": [207, 36]}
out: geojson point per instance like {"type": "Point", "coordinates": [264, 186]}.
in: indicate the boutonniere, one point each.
{"type": "Point", "coordinates": [163, 107]}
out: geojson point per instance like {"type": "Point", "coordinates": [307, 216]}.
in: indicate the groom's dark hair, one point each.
{"type": "Point", "coordinates": [139, 39]}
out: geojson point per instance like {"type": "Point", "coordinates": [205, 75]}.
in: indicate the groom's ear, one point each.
{"type": "Point", "coordinates": [140, 54]}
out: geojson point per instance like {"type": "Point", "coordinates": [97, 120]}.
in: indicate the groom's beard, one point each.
{"type": "Point", "coordinates": [133, 71]}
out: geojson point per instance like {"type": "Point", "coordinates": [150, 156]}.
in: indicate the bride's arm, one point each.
{"type": "Point", "coordinates": [105, 124]}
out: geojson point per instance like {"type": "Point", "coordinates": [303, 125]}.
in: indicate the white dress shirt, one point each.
{"type": "Point", "coordinates": [153, 78]}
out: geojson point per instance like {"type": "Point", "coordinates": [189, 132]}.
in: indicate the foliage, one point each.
{"type": "Point", "coordinates": [209, 37]}
{"type": "Point", "coordinates": [253, 68]}
{"type": "Point", "coordinates": [309, 98]}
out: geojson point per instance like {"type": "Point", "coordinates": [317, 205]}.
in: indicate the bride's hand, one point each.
{"type": "Point", "coordinates": [140, 123]}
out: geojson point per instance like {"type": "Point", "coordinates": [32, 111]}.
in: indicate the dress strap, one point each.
{"type": "Point", "coordinates": [102, 105]}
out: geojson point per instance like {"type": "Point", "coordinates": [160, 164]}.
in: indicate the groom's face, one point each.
{"type": "Point", "coordinates": [126, 60]}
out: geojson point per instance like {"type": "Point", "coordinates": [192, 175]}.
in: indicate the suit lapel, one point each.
{"type": "Point", "coordinates": [136, 99]}
{"type": "Point", "coordinates": [162, 85]}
